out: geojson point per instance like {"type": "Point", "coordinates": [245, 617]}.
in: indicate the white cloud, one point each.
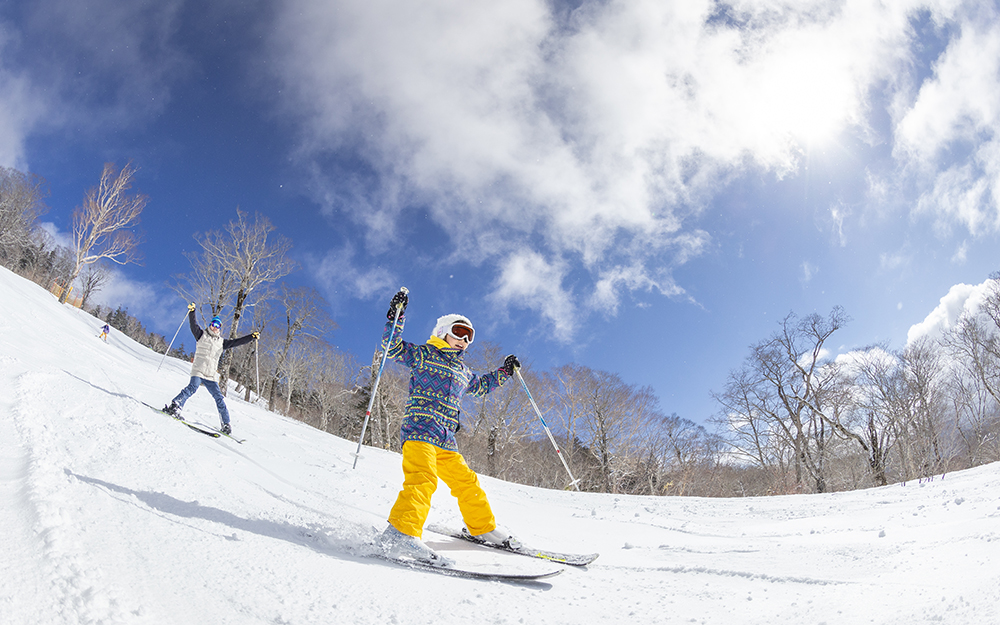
{"type": "Point", "coordinates": [838, 214]}
{"type": "Point", "coordinates": [890, 261]}
{"type": "Point", "coordinates": [951, 132]}
{"type": "Point", "coordinates": [143, 299]}
{"type": "Point", "coordinates": [609, 285]}
{"type": "Point", "coordinates": [89, 66]}
{"type": "Point", "coordinates": [22, 106]}
{"type": "Point", "coordinates": [337, 272]}
{"type": "Point", "coordinates": [961, 299]}
{"type": "Point", "coordinates": [961, 254]}
{"type": "Point", "coordinates": [596, 141]}
{"type": "Point", "coordinates": [853, 360]}
{"type": "Point", "coordinates": [528, 280]}
{"type": "Point", "coordinates": [62, 239]}
{"type": "Point", "coordinates": [809, 270]}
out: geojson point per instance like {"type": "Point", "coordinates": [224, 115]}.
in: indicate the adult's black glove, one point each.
{"type": "Point", "coordinates": [509, 364]}
{"type": "Point", "coordinates": [399, 299]}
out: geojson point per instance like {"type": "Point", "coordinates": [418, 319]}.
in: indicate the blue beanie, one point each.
{"type": "Point", "coordinates": [216, 321]}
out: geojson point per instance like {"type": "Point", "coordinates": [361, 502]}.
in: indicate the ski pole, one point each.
{"type": "Point", "coordinates": [371, 401]}
{"type": "Point", "coordinates": [573, 481]}
{"type": "Point", "coordinates": [256, 357]}
{"type": "Point", "coordinates": [171, 343]}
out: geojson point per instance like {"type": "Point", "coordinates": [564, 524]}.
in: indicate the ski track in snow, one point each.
{"type": "Point", "coordinates": [74, 586]}
{"type": "Point", "coordinates": [114, 513]}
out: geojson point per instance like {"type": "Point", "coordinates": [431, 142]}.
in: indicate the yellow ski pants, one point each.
{"type": "Point", "coordinates": [423, 464]}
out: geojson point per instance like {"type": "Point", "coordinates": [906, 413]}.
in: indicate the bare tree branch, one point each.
{"type": "Point", "coordinates": [102, 225]}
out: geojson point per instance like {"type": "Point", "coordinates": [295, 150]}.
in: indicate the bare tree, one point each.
{"type": "Point", "coordinates": [680, 451]}
{"type": "Point", "coordinates": [387, 409]}
{"type": "Point", "coordinates": [102, 226]}
{"type": "Point", "coordinates": [210, 282]}
{"type": "Point", "coordinates": [93, 279]}
{"type": "Point", "coordinates": [565, 392]}
{"type": "Point", "coordinates": [878, 402]}
{"type": "Point", "coordinates": [305, 316]}
{"type": "Point", "coordinates": [235, 268]}
{"type": "Point", "coordinates": [923, 437]}
{"type": "Point", "coordinates": [255, 263]}
{"type": "Point", "coordinates": [302, 357]}
{"type": "Point", "coordinates": [36, 258]}
{"type": "Point", "coordinates": [21, 203]}
{"type": "Point", "coordinates": [974, 346]}
{"type": "Point", "coordinates": [499, 420]}
{"type": "Point", "coordinates": [786, 390]}
{"type": "Point", "coordinates": [336, 383]}
{"type": "Point", "coordinates": [610, 415]}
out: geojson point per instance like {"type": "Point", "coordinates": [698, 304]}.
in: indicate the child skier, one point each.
{"type": "Point", "coordinates": [204, 370]}
{"type": "Point", "coordinates": [438, 380]}
{"type": "Point", "coordinates": [104, 333]}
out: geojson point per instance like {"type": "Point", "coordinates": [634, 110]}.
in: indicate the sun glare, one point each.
{"type": "Point", "coordinates": [807, 93]}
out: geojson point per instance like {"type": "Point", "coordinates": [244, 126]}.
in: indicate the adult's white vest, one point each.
{"type": "Point", "coordinates": [207, 352]}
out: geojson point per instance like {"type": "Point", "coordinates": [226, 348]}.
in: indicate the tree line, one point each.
{"type": "Point", "coordinates": [791, 418]}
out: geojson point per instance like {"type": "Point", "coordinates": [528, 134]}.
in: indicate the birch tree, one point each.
{"type": "Point", "coordinates": [103, 225]}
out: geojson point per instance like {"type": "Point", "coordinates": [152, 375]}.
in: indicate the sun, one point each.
{"type": "Point", "coordinates": [806, 91]}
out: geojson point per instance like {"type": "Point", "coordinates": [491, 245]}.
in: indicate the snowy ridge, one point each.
{"type": "Point", "coordinates": [114, 514]}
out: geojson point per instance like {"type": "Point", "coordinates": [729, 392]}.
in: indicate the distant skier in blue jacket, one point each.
{"type": "Point", "coordinates": [205, 368]}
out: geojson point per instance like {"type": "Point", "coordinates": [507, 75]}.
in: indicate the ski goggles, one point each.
{"type": "Point", "coordinates": [462, 331]}
{"type": "Point", "coordinates": [215, 324]}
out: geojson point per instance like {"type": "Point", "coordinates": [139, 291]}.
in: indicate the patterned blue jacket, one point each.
{"type": "Point", "coordinates": [438, 381]}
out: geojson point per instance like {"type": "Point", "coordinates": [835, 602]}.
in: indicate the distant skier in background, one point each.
{"type": "Point", "coordinates": [205, 368]}
{"type": "Point", "coordinates": [104, 333]}
{"type": "Point", "coordinates": [438, 380]}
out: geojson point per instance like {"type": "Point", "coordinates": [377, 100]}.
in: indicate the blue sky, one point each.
{"type": "Point", "coordinates": [641, 187]}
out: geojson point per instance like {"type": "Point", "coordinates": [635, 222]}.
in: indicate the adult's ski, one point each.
{"type": "Point", "coordinates": [220, 432]}
{"type": "Point", "coordinates": [194, 427]}
{"type": "Point", "coordinates": [572, 559]}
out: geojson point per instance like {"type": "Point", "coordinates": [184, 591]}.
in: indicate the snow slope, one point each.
{"type": "Point", "coordinates": [114, 513]}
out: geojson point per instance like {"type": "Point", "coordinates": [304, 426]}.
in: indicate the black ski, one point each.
{"type": "Point", "coordinates": [190, 425]}
{"type": "Point", "coordinates": [572, 559]}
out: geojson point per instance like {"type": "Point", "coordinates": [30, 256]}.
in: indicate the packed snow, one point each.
{"type": "Point", "coordinates": [114, 513]}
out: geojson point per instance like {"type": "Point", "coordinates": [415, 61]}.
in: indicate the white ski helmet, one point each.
{"type": "Point", "coordinates": [444, 323]}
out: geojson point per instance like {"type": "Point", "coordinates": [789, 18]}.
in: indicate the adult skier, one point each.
{"type": "Point", "coordinates": [104, 333]}
{"type": "Point", "coordinates": [438, 380]}
{"type": "Point", "coordinates": [205, 368]}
